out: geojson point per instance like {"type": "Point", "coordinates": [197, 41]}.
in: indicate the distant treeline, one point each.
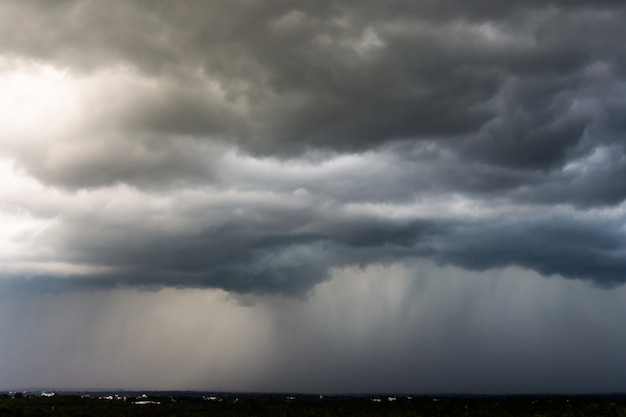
{"type": "Point", "coordinates": [279, 405]}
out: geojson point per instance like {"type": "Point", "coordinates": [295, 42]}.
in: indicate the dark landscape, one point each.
{"type": "Point", "coordinates": [164, 403]}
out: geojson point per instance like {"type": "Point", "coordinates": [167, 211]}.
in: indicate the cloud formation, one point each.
{"type": "Point", "coordinates": [255, 146]}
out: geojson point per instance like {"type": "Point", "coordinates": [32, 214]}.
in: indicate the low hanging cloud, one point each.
{"type": "Point", "coordinates": [254, 146]}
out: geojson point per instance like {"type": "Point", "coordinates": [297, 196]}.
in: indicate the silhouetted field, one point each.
{"type": "Point", "coordinates": [279, 405]}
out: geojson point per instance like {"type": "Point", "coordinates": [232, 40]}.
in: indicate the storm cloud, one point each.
{"type": "Point", "coordinates": [256, 145]}
{"type": "Point", "coordinates": [293, 133]}
{"type": "Point", "coordinates": [259, 147]}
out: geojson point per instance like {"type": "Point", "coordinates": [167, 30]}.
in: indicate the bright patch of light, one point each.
{"type": "Point", "coordinates": [368, 42]}
{"type": "Point", "coordinates": [452, 207]}
{"type": "Point", "coordinates": [18, 231]}
{"type": "Point", "coordinates": [33, 96]}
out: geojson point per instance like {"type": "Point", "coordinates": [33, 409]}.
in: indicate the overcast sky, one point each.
{"type": "Point", "coordinates": [320, 196]}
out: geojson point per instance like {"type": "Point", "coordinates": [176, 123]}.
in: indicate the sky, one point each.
{"type": "Point", "coordinates": [406, 196]}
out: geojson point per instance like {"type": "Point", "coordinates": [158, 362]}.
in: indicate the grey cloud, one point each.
{"type": "Point", "coordinates": [256, 247]}
{"type": "Point", "coordinates": [498, 104]}
{"type": "Point", "coordinates": [575, 249]}
{"type": "Point", "coordinates": [271, 250]}
{"type": "Point", "coordinates": [599, 185]}
{"type": "Point", "coordinates": [110, 160]}
{"type": "Point", "coordinates": [323, 85]}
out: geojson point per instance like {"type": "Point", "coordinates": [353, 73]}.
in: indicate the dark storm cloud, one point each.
{"type": "Point", "coordinates": [278, 248]}
{"type": "Point", "coordinates": [360, 126]}
{"type": "Point", "coordinates": [349, 76]}
{"type": "Point", "coordinates": [575, 249]}
{"type": "Point", "coordinates": [274, 250]}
